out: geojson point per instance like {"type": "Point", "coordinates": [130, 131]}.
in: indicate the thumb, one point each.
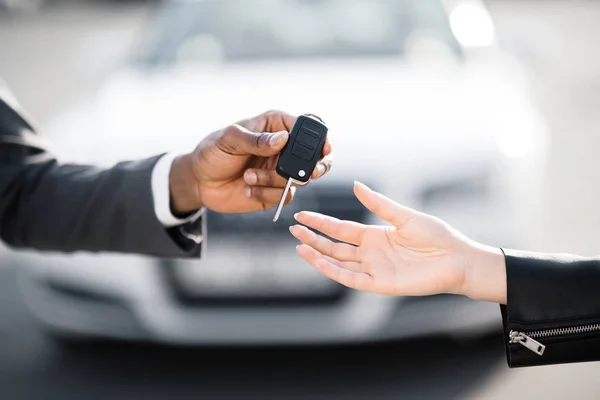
{"type": "Point", "coordinates": [382, 206]}
{"type": "Point", "coordinates": [240, 141]}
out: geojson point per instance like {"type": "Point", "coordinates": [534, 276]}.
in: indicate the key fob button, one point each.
{"type": "Point", "coordinates": [312, 126]}
{"type": "Point", "coordinates": [303, 151]}
{"type": "Point", "coordinates": [308, 138]}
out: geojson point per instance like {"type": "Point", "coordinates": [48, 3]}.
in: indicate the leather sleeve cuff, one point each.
{"type": "Point", "coordinates": [552, 299]}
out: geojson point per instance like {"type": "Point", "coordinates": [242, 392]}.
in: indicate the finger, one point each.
{"type": "Point", "coordinates": [346, 231]}
{"type": "Point", "coordinates": [382, 206]}
{"type": "Point", "coordinates": [338, 251]}
{"type": "Point", "coordinates": [347, 277]}
{"type": "Point", "coordinates": [327, 147]}
{"type": "Point", "coordinates": [311, 255]}
{"type": "Point", "coordinates": [270, 197]}
{"type": "Point", "coordinates": [264, 177]}
{"type": "Point", "coordinates": [270, 121]}
{"type": "Point", "coordinates": [325, 163]}
{"type": "Point", "coordinates": [350, 265]}
{"type": "Point", "coordinates": [323, 166]}
{"type": "Point", "coordinates": [237, 140]}
{"type": "Point", "coordinates": [290, 196]}
{"type": "Point", "coordinates": [279, 121]}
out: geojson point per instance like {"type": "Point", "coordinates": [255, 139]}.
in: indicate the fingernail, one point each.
{"type": "Point", "coordinates": [296, 216]}
{"type": "Point", "coordinates": [248, 192]}
{"type": "Point", "coordinates": [292, 228]}
{"type": "Point", "coordinates": [320, 169]}
{"type": "Point", "coordinates": [251, 178]}
{"type": "Point", "coordinates": [277, 138]}
{"type": "Point", "coordinates": [357, 183]}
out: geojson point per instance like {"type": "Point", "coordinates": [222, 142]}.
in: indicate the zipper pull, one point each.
{"type": "Point", "coordinates": [527, 341]}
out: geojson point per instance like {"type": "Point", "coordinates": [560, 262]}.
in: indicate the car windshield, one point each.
{"type": "Point", "coordinates": [229, 31]}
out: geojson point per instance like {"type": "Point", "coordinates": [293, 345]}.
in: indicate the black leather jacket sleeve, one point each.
{"type": "Point", "coordinates": [552, 315]}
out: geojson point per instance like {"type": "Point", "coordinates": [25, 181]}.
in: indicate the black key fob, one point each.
{"type": "Point", "coordinates": [303, 150]}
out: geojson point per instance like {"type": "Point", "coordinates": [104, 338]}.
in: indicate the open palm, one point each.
{"type": "Point", "coordinates": [417, 255]}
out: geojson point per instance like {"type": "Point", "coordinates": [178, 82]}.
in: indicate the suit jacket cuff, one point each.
{"type": "Point", "coordinates": [153, 237]}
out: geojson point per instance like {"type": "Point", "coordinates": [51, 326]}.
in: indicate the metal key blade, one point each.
{"type": "Point", "coordinates": [283, 196]}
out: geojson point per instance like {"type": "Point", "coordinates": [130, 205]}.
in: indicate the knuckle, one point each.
{"type": "Point", "coordinates": [257, 193]}
{"type": "Point", "coordinates": [314, 238]}
{"type": "Point", "coordinates": [213, 138]}
{"type": "Point", "coordinates": [259, 139]}
{"type": "Point", "coordinates": [230, 131]}
{"type": "Point", "coordinates": [250, 123]}
{"type": "Point", "coordinates": [333, 249]}
{"type": "Point", "coordinates": [272, 112]}
{"type": "Point", "coordinates": [226, 139]}
{"type": "Point", "coordinates": [323, 245]}
{"type": "Point", "coordinates": [259, 177]}
{"type": "Point", "coordinates": [266, 179]}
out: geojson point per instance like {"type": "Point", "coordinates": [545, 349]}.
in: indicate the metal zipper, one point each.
{"type": "Point", "coordinates": [527, 339]}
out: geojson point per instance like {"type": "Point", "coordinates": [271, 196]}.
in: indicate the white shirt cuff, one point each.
{"type": "Point", "coordinates": [162, 193]}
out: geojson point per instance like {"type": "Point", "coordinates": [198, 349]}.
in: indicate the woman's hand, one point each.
{"type": "Point", "coordinates": [418, 255]}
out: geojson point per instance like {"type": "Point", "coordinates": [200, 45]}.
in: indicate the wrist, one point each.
{"type": "Point", "coordinates": [484, 274]}
{"type": "Point", "coordinates": [183, 186]}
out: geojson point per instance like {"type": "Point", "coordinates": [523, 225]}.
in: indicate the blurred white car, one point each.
{"type": "Point", "coordinates": [21, 5]}
{"type": "Point", "coordinates": [421, 105]}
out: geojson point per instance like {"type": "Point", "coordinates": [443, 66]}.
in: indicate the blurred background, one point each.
{"type": "Point", "coordinates": [482, 113]}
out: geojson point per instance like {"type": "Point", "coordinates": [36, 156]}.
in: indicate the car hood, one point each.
{"type": "Point", "coordinates": [379, 114]}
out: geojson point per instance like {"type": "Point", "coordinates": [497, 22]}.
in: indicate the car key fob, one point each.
{"type": "Point", "coordinates": [299, 157]}
{"type": "Point", "coordinates": [301, 153]}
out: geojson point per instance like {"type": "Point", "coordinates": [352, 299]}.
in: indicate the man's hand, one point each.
{"type": "Point", "coordinates": [233, 170]}
{"type": "Point", "coordinates": [417, 255]}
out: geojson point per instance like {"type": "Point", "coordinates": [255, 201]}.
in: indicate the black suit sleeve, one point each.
{"type": "Point", "coordinates": [48, 206]}
{"type": "Point", "coordinates": [553, 308]}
